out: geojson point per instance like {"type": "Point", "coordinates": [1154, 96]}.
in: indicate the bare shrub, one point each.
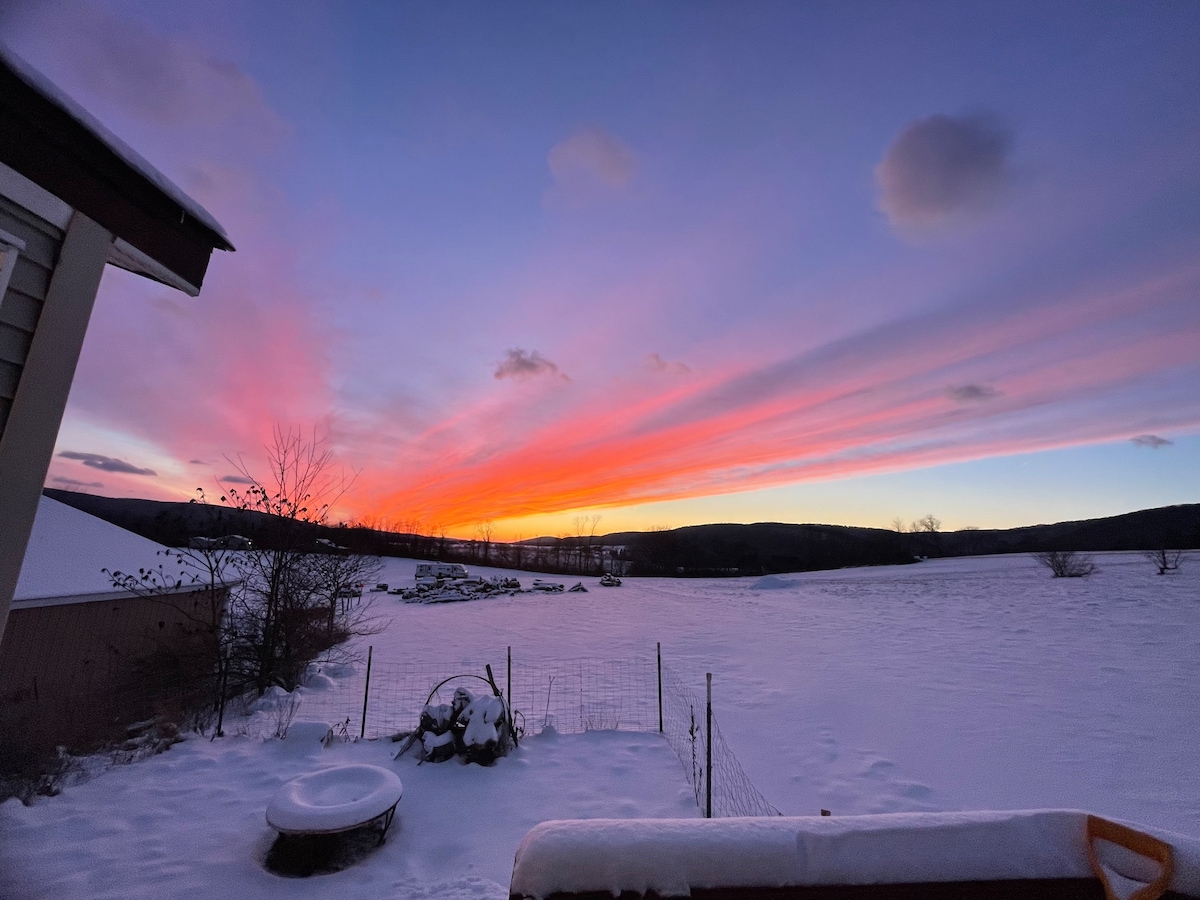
{"type": "Point", "coordinates": [1165, 560]}
{"type": "Point", "coordinates": [283, 711]}
{"type": "Point", "coordinates": [1067, 563]}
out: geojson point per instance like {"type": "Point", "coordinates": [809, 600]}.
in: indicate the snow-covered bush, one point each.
{"type": "Point", "coordinates": [473, 727]}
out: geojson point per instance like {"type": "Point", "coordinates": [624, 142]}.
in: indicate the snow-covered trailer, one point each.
{"type": "Point", "coordinates": [1060, 854]}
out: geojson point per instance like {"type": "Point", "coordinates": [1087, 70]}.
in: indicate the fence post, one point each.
{"type": "Point", "coordinates": [660, 728]}
{"type": "Point", "coordinates": [366, 692]}
{"type": "Point", "coordinates": [508, 688]}
{"type": "Point", "coordinates": [708, 750]}
{"type": "Point", "coordinates": [222, 687]}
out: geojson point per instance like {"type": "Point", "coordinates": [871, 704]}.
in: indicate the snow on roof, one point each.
{"type": "Point", "coordinates": [131, 157]}
{"type": "Point", "coordinates": [68, 549]}
{"type": "Point", "coordinates": [673, 856]}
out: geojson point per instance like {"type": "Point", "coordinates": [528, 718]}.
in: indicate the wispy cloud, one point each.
{"type": "Point", "coordinates": [75, 482]}
{"type": "Point", "coordinates": [1153, 441]}
{"type": "Point", "coordinates": [106, 463]}
{"type": "Point", "coordinates": [589, 164]}
{"type": "Point", "coordinates": [521, 365]}
{"type": "Point", "coordinates": [1045, 373]}
{"type": "Point", "coordinates": [971, 393]}
{"type": "Point", "coordinates": [656, 363]}
{"type": "Point", "coordinates": [940, 167]}
{"type": "Point", "coordinates": [165, 80]}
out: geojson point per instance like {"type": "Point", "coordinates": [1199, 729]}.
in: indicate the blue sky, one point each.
{"type": "Point", "coordinates": [666, 263]}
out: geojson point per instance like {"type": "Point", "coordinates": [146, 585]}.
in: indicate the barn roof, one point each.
{"type": "Point", "coordinates": [68, 551]}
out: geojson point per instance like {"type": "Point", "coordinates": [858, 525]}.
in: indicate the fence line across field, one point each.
{"type": "Point", "coordinates": [569, 695]}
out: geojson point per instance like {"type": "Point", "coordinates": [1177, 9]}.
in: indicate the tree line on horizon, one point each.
{"type": "Point", "coordinates": [697, 550]}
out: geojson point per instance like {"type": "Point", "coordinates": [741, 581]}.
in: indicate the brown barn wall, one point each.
{"type": "Point", "coordinates": [74, 673]}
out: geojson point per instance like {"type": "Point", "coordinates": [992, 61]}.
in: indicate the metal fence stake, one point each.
{"type": "Point", "coordinates": [366, 692]}
{"type": "Point", "coordinates": [708, 750]}
{"type": "Point", "coordinates": [659, 646]}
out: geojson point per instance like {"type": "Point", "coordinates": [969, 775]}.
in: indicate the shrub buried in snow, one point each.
{"type": "Point", "coordinates": [474, 727]}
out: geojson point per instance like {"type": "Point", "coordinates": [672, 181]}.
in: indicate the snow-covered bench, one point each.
{"type": "Point", "coordinates": [930, 856]}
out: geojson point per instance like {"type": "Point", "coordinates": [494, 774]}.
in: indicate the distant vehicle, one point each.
{"type": "Point", "coordinates": [437, 573]}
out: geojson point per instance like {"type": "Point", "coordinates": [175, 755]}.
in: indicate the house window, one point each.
{"type": "Point", "coordinates": [9, 248]}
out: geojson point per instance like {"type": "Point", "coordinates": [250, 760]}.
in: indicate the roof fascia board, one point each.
{"type": "Point", "coordinates": [126, 256]}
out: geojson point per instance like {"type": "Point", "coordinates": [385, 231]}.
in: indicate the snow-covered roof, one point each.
{"type": "Point", "coordinates": [673, 856]}
{"type": "Point", "coordinates": [131, 157]}
{"type": "Point", "coordinates": [67, 551]}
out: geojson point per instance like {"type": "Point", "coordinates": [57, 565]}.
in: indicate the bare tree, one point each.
{"type": "Point", "coordinates": [928, 529]}
{"type": "Point", "coordinates": [897, 525]}
{"type": "Point", "coordinates": [484, 532]}
{"type": "Point", "coordinates": [929, 524]}
{"type": "Point", "coordinates": [285, 611]}
{"type": "Point", "coordinates": [336, 582]}
{"type": "Point", "coordinates": [1165, 560]}
{"type": "Point", "coordinates": [1066, 563]}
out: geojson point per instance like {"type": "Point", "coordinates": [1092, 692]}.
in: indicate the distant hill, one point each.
{"type": "Point", "coordinates": [697, 550]}
{"type": "Point", "coordinates": [761, 548]}
{"type": "Point", "coordinates": [175, 523]}
{"type": "Point", "coordinates": [1175, 527]}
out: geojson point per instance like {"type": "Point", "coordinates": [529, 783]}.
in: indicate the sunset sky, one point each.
{"type": "Point", "coordinates": [665, 263]}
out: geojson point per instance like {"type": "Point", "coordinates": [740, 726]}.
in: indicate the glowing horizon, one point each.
{"type": "Point", "coordinates": [657, 267]}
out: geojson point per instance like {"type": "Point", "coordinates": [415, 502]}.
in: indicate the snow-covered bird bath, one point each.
{"type": "Point", "coordinates": [336, 799]}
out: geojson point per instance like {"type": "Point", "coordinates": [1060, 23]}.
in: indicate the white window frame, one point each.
{"type": "Point", "coordinates": [10, 248]}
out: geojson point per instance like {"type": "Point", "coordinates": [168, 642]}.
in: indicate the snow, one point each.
{"type": "Point", "coordinates": [334, 799]}
{"type": "Point", "coordinates": [482, 715]}
{"type": "Point", "coordinates": [127, 154]}
{"type": "Point", "coordinates": [672, 857]}
{"type": "Point", "coordinates": [49, 571]}
{"type": "Point", "coordinates": [962, 684]}
{"type": "Point", "coordinates": [773, 583]}
{"type": "Point", "coordinates": [190, 822]}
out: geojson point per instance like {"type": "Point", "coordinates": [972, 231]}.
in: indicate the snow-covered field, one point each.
{"type": "Point", "coordinates": [952, 684]}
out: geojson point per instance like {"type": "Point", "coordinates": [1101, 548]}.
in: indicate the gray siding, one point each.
{"type": "Point", "coordinates": [22, 304]}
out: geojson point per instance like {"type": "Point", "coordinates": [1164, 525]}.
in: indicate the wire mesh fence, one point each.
{"type": "Point", "coordinates": [721, 787]}
{"type": "Point", "coordinates": [569, 696]}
